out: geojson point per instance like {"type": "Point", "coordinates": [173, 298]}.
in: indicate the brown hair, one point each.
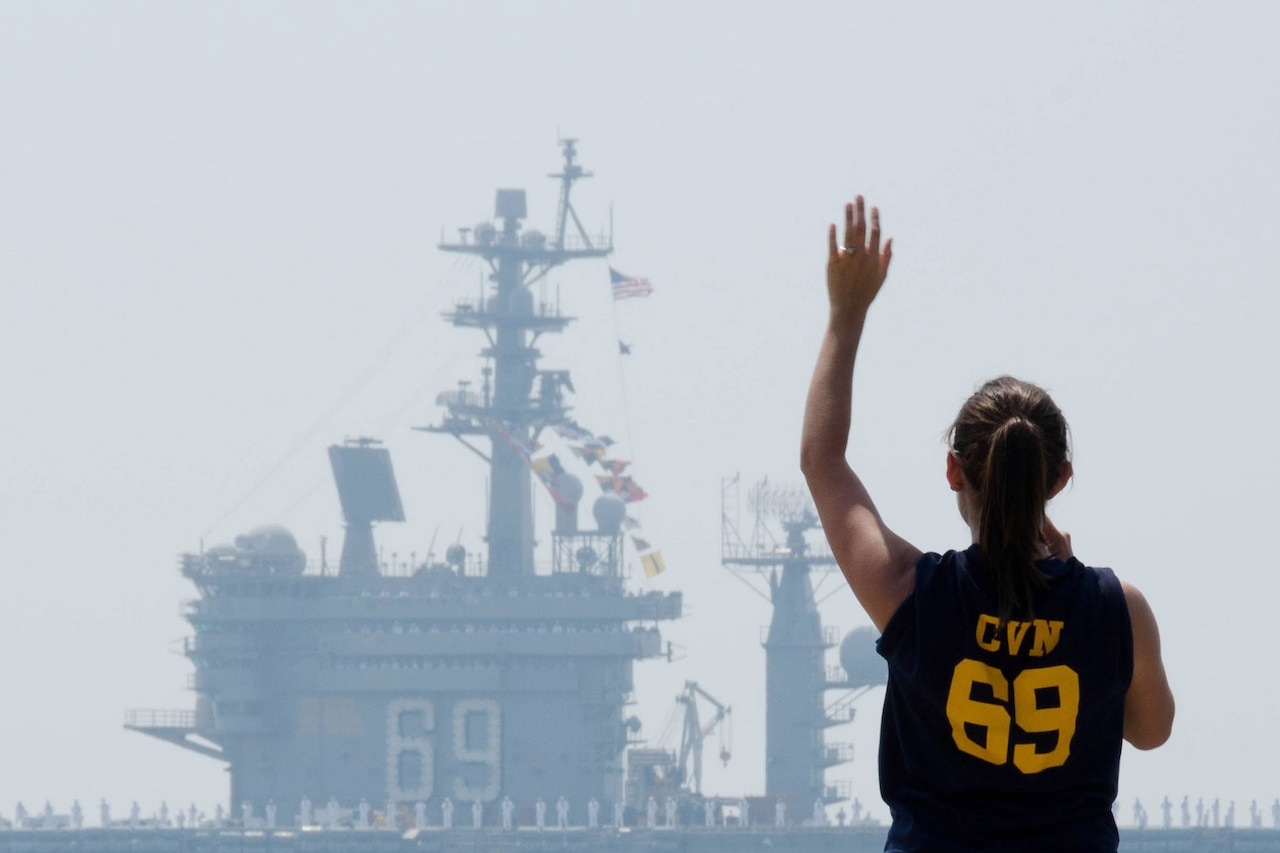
{"type": "Point", "coordinates": [1011, 440]}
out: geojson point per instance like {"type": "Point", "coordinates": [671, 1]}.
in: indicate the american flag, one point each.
{"type": "Point", "coordinates": [628, 286]}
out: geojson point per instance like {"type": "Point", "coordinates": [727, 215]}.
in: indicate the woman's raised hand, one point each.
{"type": "Point", "coordinates": [856, 270]}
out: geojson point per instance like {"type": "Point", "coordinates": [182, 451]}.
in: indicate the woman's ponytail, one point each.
{"type": "Point", "coordinates": [1015, 488]}
{"type": "Point", "coordinates": [1011, 440]}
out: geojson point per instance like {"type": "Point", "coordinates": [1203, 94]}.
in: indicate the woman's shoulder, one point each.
{"type": "Point", "coordinates": [1101, 578]}
{"type": "Point", "coordinates": [957, 566]}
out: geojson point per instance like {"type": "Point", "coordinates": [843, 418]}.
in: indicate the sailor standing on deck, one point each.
{"type": "Point", "coordinates": [780, 813]}
{"type": "Point", "coordinates": [562, 813]}
{"type": "Point", "coordinates": [508, 808]}
{"type": "Point", "coordinates": [77, 815]}
{"type": "Point", "coordinates": [744, 812]}
{"type": "Point", "coordinates": [651, 813]}
{"type": "Point", "coordinates": [271, 814]}
{"type": "Point", "coordinates": [709, 812]}
{"type": "Point", "coordinates": [419, 815]}
{"type": "Point", "coordinates": [619, 814]}
{"type": "Point", "coordinates": [477, 814]}
{"type": "Point", "coordinates": [246, 813]}
{"type": "Point", "coordinates": [304, 811]}
{"type": "Point", "coordinates": [104, 813]}
{"type": "Point", "coordinates": [540, 813]}
{"type": "Point", "coordinates": [446, 813]}
{"type": "Point", "coordinates": [819, 813]}
{"type": "Point", "coordinates": [670, 808]}
{"type": "Point", "coordinates": [593, 813]}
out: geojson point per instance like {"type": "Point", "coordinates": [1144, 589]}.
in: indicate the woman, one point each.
{"type": "Point", "coordinates": [1014, 670]}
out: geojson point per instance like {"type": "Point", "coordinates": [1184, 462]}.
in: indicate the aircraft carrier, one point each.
{"type": "Point", "coordinates": [480, 702]}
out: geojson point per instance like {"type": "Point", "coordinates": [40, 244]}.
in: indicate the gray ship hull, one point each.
{"type": "Point", "coordinates": [797, 840]}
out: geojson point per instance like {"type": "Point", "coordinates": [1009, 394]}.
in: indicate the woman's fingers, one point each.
{"type": "Point", "coordinates": [1058, 542]}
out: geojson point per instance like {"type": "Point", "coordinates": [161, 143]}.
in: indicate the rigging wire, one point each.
{"type": "Point", "coordinates": [349, 391]}
{"type": "Point", "coordinates": [622, 383]}
{"type": "Point", "coordinates": [381, 427]}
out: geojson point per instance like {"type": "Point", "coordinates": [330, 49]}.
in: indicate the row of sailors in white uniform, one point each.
{"type": "Point", "coordinates": [485, 628]}
{"type": "Point", "coordinates": [1204, 817]}
{"type": "Point", "coordinates": [445, 664]}
{"type": "Point", "coordinates": [333, 816]}
{"type": "Point", "coordinates": [397, 627]}
{"type": "Point", "coordinates": [487, 592]}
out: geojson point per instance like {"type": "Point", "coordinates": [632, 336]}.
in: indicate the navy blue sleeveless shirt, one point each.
{"type": "Point", "coordinates": [1004, 738]}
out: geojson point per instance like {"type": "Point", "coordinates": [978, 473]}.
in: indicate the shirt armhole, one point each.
{"type": "Point", "coordinates": [904, 618]}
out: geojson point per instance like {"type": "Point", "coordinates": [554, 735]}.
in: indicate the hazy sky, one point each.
{"type": "Point", "coordinates": [217, 256]}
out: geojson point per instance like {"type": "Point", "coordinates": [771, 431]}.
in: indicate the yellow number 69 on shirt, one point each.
{"type": "Point", "coordinates": [1029, 713]}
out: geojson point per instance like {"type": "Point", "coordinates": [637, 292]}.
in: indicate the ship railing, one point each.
{"type": "Point", "coordinates": [841, 712]}
{"type": "Point", "coordinates": [837, 676]}
{"type": "Point", "coordinates": [836, 791]}
{"type": "Point", "coordinates": [151, 718]}
{"type": "Point", "coordinates": [465, 309]}
{"type": "Point", "coordinates": [650, 641]}
{"type": "Point", "coordinates": [836, 753]}
{"type": "Point", "coordinates": [576, 243]}
{"type": "Point", "coordinates": [572, 243]}
{"type": "Point", "coordinates": [828, 636]}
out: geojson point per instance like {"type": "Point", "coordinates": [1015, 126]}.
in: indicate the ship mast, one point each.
{"type": "Point", "coordinates": [797, 753]}
{"type": "Point", "coordinates": [509, 412]}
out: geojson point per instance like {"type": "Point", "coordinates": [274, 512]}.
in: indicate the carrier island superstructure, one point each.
{"type": "Point", "coordinates": [474, 678]}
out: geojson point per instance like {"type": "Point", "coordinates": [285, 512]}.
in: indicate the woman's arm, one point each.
{"type": "Point", "coordinates": [1148, 706]}
{"type": "Point", "coordinates": [878, 564]}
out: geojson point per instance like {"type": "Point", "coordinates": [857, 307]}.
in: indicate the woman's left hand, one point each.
{"type": "Point", "coordinates": [856, 270]}
{"type": "Point", "coordinates": [1056, 541]}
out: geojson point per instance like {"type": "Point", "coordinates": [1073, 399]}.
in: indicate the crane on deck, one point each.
{"type": "Point", "coordinates": [695, 732]}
